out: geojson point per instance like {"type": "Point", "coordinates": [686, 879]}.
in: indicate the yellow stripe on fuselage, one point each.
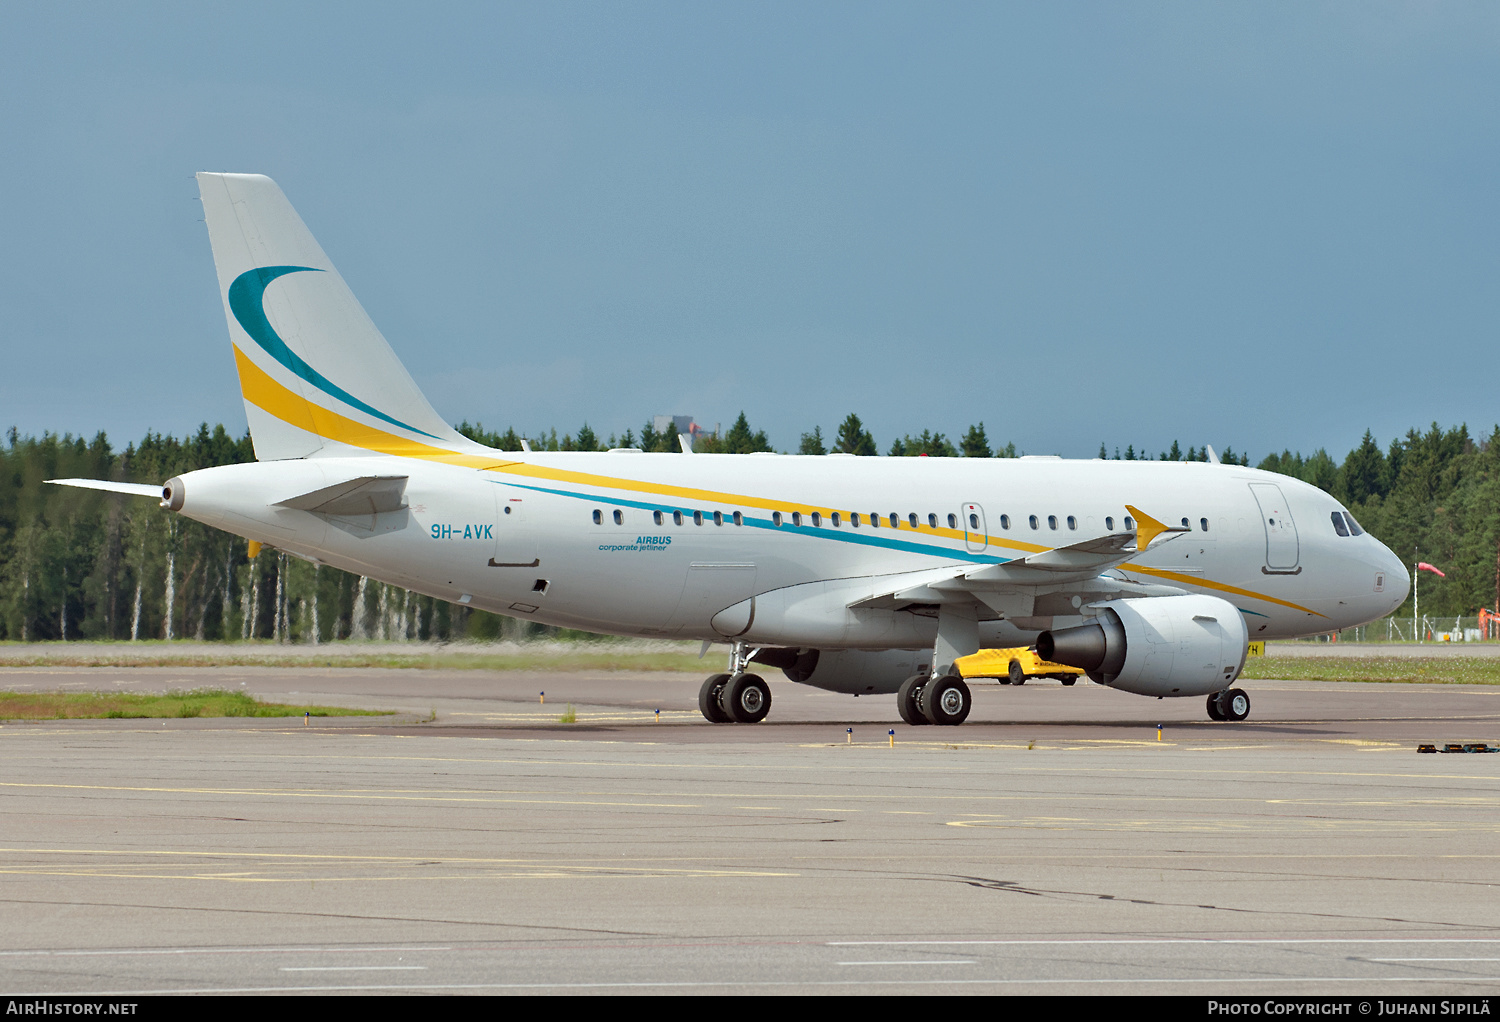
{"type": "Point", "coordinates": [272, 397]}
{"type": "Point", "coordinates": [1204, 583]}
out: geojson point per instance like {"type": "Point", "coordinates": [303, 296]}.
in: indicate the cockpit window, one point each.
{"type": "Point", "coordinates": [1338, 523]}
{"type": "Point", "coordinates": [1353, 525]}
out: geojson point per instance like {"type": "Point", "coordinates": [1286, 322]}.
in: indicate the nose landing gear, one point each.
{"type": "Point", "coordinates": [1231, 704]}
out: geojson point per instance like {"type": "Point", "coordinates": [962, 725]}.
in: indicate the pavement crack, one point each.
{"type": "Point", "coordinates": [1015, 887]}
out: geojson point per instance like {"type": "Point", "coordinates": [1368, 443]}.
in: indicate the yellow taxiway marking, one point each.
{"type": "Point", "coordinates": [1259, 825]}
{"type": "Point", "coordinates": [480, 868]}
{"type": "Point", "coordinates": [540, 873]}
{"type": "Point", "coordinates": [273, 793]}
{"type": "Point", "coordinates": [537, 798]}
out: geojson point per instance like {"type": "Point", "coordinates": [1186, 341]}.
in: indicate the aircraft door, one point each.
{"type": "Point", "coordinates": [515, 542]}
{"type": "Point", "coordinates": [976, 534]}
{"type": "Point", "coordinates": [1282, 548]}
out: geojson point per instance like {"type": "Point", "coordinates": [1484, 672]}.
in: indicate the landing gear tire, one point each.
{"type": "Point", "coordinates": [945, 700]}
{"type": "Point", "coordinates": [1067, 679]}
{"type": "Point", "coordinates": [1214, 713]}
{"type": "Point", "coordinates": [745, 698]}
{"type": "Point", "coordinates": [1234, 704]}
{"type": "Point", "coordinates": [1017, 675]}
{"type": "Point", "coordinates": [708, 699]}
{"type": "Point", "coordinates": [907, 698]}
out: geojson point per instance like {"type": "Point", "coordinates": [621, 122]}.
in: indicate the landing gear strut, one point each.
{"type": "Point", "coordinates": [737, 697]}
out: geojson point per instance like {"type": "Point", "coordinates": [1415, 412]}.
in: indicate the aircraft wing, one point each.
{"type": "Point", "coordinates": [1077, 568]}
{"type": "Point", "coordinates": [134, 489]}
{"type": "Point", "coordinates": [1084, 559]}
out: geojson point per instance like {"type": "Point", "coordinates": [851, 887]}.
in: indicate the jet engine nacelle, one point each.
{"type": "Point", "coordinates": [1164, 646]}
{"type": "Point", "coordinates": [851, 671]}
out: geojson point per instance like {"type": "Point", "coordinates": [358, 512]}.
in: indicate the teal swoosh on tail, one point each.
{"type": "Point", "coordinates": [247, 295]}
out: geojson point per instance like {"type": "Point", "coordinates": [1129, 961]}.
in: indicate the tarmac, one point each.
{"type": "Point", "coordinates": [472, 841]}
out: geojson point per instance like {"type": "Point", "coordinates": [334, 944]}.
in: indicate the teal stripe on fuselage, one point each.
{"type": "Point", "coordinates": [811, 532]}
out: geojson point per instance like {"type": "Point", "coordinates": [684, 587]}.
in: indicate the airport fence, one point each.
{"type": "Point", "coordinates": [1430, 628]}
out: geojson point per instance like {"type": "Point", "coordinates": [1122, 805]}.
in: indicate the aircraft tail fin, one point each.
{"type": "Point", "coordinates": [315, 373]}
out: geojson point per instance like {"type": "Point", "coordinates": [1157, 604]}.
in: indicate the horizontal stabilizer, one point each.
{"type": "Point", "coordinates": [134, 489]}
{"type": "Point", "coordinates": [366, 495]}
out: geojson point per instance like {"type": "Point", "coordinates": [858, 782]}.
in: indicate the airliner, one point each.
{"type": "Point", "coordinates": [857, 575]}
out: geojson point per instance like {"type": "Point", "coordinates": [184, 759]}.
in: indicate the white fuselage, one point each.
{"type": "Point", "coordinates": [593, 540]}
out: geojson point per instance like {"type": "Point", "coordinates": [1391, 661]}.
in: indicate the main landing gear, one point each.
{"type": "Point", "coordinates": [922, 699]}
{"type": "Point", "coordinates": [1231, 704]}
{"type": "Point", "coordinates": [941, 697]}
{"type": "Point", "coordinates": [736, 697]}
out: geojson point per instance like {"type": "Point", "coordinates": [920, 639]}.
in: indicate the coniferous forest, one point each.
{"type": "Point", "coordinates": [77, 564]}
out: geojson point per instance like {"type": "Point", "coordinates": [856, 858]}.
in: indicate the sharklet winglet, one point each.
{"type": "Point", "coordinates": [1148, 528]}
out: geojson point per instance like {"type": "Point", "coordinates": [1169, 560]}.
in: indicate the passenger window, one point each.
{"type": "Point", "coordinates": [1072, 522]}
{"type": "Point", "coordinates": [895, 521]}
{"type": "Point", "coordinates": [598, 517]}
{"type": "Point", "coordinates": [912, 518]}
{"type": "Point", "coordinates": [1129, 524]}
{"type": "Point", "coordinates": [1109, 523]}
{"type": "Point", "coordinates": [776, 518]}
{"type": "Point", "coordinates": [1353, 525]}
{"type": "Point", "coordinates": [619, 517]}
{"type": "Point", "coordinates": [1005, 521]}
{"type": "Point", "coordinates": [739, 519]}
{"type": "Point", "coordinates": [932, 521]}
{"type": "Point", "coordinates": [817, 519]}
{"type": "Point", "coordinates": [656, 517]}
{"type": "Point", "coordinates": [1203, 524]}
{"type": "Point", "coordinates": [953, 521]}
{"type": "Point", "coordinates": [697, 517]}
{"type": "Point", "coordinates": [974, 523]}
{"type": "Point", "coordinates": [796, 519]}
{"type": "Point", "coordinates": [718, 518]}
{"type": "Point", "coordinates": [854, 519]}
{"type": "Point", "coordinates": [1185, 524]}
{"type": "Point", "coordinates": [1052, 521]}
{"type": "Point", "coordinates": [676, 517]}
{"type": "Point", "coordinates": [1338, 523]}
{"type": "Point", "coordinates": [837, 521]}
{"type": "Point", "coordinates": [1033, 521]}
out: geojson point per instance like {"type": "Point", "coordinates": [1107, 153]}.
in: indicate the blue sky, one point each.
{"type": "Point", "coordinates": [1263, 225]}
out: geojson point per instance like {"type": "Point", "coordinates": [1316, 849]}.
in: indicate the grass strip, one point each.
{"type": "Point", "coordinates": [202, 702]}
{"type": "Point", "coordinates": [1447, 670]}
{"type": "Point", "coordinates": [601, 661]}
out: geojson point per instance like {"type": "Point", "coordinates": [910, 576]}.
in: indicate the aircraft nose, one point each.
{"type": "Point", "coordinates": [1397, 581]}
